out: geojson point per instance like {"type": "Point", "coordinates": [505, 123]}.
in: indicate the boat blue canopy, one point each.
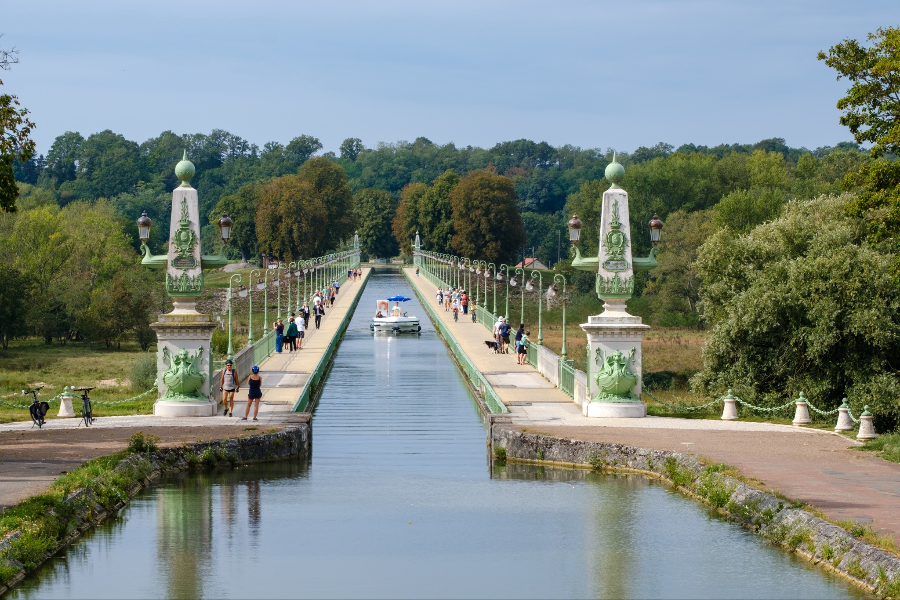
{"type": "Point", "coordinates": [398, 299]}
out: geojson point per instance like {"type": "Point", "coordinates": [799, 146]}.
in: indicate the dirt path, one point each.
{"type": "Point", "coordinates": [820, 470]}
{"type": "Point", "coordinates": [31, 460]}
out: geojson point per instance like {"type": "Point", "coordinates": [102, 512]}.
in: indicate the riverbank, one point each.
{"type": "Point", "coordinates": [35, 529]}
{"type": "Point", "coordinates": [774, 517]}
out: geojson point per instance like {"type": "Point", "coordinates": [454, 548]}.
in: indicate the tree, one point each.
{"type": "Point", "coordinates": [435, 214]}
{"type": "Point", "coordinates": [375, 210]}
{"type": "Point", "coordinates": [329, 184]}
{"type": "Point", "coordinates": [13, 308]}
{"type": "Point", "coordinates": [107, 165]}
{"type": "Point", "coordinates": [15, 140]}
{"type": "Point", "coordinates": [674, 288]}
{"type": "Point", "coordinates": [290, 217]}
{"type": "Point", "coordinates": [872, 105]}
{"type": "Point", "coordinates": [743, 210]}
{"type": "Point", "coordinates": [406, 222]}
{"type": "Point", "coordinates": [487, 223]}
{"type": "Point", "coordinates": [802, 303]}
{"type": "Point", "coordinates": [300, 149]}
{"type": "Point", "coordinates": [351, 148]}
{"type": "Point", "coordinates": [241, 208]}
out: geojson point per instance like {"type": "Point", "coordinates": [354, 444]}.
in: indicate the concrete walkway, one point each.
{"type": "Point", "coordinates": [817, 467]}
{"type": "Point", "coordinates": [31, 458]}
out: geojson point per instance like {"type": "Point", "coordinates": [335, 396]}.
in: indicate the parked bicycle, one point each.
{"type": "Point", "coordinates": [37, 409]}
{"type": "Point", "coordinates": [87, 412]}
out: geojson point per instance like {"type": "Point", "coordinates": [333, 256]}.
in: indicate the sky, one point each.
{"type": "Point", "coordinates": [593, 74]}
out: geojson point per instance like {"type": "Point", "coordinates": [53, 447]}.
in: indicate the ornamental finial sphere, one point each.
{"type": "Point", "coordinates": [184, 170]}
{"type": "Point", "coordinates": [615, 173]}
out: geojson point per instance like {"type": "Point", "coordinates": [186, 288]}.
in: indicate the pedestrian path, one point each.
{"type": "Point", "coordinates": [817, 467]}
{"type": "Point", "coordinates": [283, 375]}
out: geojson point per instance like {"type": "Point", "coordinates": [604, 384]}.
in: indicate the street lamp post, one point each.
{"type": "Point", "coordinates": [235, 277]}
{"type": "Point", "coordinates": [530, 286]}
{"type": "Point", "coordinates": [551, 292]}
{"type": "Point", "coordinates": [520, 272]}
{"type": "Point", "coordinates": [254, 272]}
{"type": "Point", "coordinates": [504, 268]}
{"type": "Point", "coordinates": [491, 273]}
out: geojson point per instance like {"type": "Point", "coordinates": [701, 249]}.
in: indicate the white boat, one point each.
{"type": "Point", "coordinates": [393, 319]}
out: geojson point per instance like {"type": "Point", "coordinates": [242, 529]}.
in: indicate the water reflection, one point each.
{"type": "Point", "coordinates": [398, 501]}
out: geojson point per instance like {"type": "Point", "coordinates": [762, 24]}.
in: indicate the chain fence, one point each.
{"type": "Point", "coordinates": [791, 403]}
{"type": "Point", "coordinates": [94, 402]}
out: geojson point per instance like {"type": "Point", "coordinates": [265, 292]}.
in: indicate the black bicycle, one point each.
{"type": "Point", "coordinates": [38, 410]}
{"type": "Point", "coordinates": [87, 411]}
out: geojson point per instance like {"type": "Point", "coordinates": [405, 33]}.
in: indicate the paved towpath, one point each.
{"type": "Point", "coordinates": [30, 458]}
{"type": "Point", "coordinates": [817, 467]}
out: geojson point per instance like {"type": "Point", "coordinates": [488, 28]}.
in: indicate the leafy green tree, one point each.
{"type": "Point", "coordinates": [13, 304]}
{"type": "Point", "coordinates": [768, 170]}
{"type": "Point", "coordinates": [486, 220]}
{"type": "Point", "coordinates": [15, 140]}
{"type": "Point", "coordinates": [329, 184]}
{"type": "Point", "coordinates": [375, 211]}
{"type": "Point", "coordinates": [547, 234]}
{"type": "Point", "coordinates": [587, 203]}
{"type": "Point", "coordinates": [290, 217]}
{"type": "Point", "coordinates": [674, 288]}
{"type": "Point", "coordinates": [351, 148]}
{"type": "Point", "coordinates": [802, 303]}
{"type": "Point", "coordinates": [300, 149]}
{"type": "Point", "coordinates": [406, 221]}
{"type": "Point", "coordinates": [872, 105]}
{"type": "Point", "coordinates": [435, 214]}
{"type": "Point", "coordinates": [241, 208]}
{"type": "Point", "coordinates": [743, 210]}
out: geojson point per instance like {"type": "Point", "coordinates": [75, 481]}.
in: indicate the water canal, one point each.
{"type": "Point", "coordinates": [399, 500]}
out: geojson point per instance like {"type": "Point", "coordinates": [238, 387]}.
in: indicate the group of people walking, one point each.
{"type": "Point", "coordinates": [456, 300]}
{"type": "Point", "coordinates": [294, 333]}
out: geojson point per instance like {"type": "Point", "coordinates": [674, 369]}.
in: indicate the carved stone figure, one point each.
{"type": "Point", "coordinates": [183, 378]}
{"type": "Point", "coordinates": [615, 379]}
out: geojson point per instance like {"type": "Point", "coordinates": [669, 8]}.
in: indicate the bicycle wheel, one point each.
{"type": "Point", "coordinates": [90, 408]}
{"type": "Point", "coordinates": [86, 413]}
{"type": "Point", "coordinates": [36, 415]}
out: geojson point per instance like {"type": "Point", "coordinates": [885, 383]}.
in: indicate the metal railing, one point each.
{"type": "Point", "coordinates": [311, 387]}
{"type": "Point", "coordinates": [468, 368]}
{"type": "Point", "coordinates": [567, 377]}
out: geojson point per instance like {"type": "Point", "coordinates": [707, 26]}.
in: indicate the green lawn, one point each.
{"type": "Point", "coordinates": [31, 363]}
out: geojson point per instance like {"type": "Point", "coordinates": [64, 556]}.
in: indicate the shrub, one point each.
{"type": "Point", "coordinates": [143, 372]}
{"type": "Point", "coordinates": [140, 443]}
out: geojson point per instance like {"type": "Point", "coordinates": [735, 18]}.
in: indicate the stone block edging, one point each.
{"type": "Point", "coordinates": [775, 519]}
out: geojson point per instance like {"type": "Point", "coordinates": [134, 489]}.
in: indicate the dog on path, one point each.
{"type": "Point", "coordinates": [493, 346]}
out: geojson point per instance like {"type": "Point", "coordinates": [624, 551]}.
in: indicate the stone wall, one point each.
{"type": "Point", "coordinates": [776, 519]}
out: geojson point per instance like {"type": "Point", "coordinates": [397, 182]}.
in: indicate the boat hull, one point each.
{"type": "Point", "coordinates": [396, 325]}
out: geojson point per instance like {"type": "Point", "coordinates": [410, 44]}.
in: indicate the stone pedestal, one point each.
{"type": "Point", "coordinates": [185, 329]}
{"type": "Point", "coordinates": [614, 330]}
{"type": "Point", "coordinates": [65, 406]}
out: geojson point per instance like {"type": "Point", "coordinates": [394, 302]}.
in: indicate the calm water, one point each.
{"type": "Point", "coordinates": [399, 500]}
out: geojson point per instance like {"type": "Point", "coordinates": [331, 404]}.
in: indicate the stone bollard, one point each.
{"type": "Point", "coordinates": [866, 426]}
{"type": "Point", "coordinates": [844, 423]}
{"type": "Point", "coordinates": [65, 405]}
{"type": "Point", "coordinates": [729, 412]}
{"type": "Point", "coordinates": [801, 415]}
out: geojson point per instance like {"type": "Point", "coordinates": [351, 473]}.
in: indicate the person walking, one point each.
{"type": "Point", "coordinates": [319, 311]}
{"type": "Point", "coordinates": [333, 296]}
{"type": "Point", "coordinates": [301, 333]}
{"type": "Point", "coordinates": [228, 385]}
{"type": "Point", "coordinates": [254, 382]}
{"type": "Point", "coordinates": [504, 330]}
{"type": "Point", "coordinates": [279, 336]}
{"type": "Point", "coordinates": [520, 333]}
{"type": "Point", "coordinates": [522, 353]}
{"type": "Point", "coordinates": [304, 314]}
{"type": "Point", "coordinates": [417, 271]}
{"type": "Point", "coordinates": [292, 335]}
{"type": "Point", "coordinates": [464, 302]}
{"type": "Point", "coordinates": [440, 296]}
